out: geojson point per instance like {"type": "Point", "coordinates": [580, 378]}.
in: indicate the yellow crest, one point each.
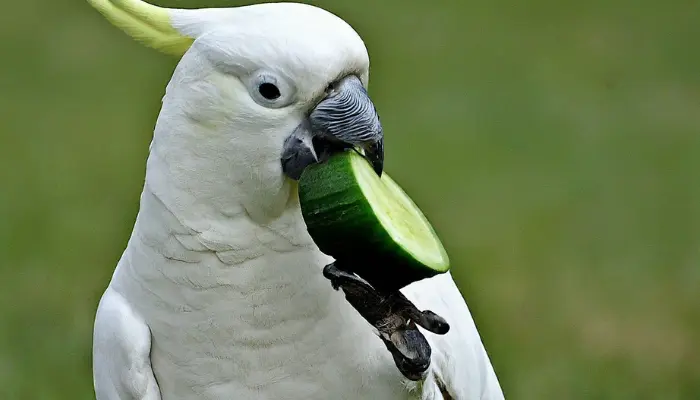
{"type": "Point", "coordinates": [149, 24]}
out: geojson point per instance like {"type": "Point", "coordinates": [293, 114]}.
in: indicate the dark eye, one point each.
{"type": "Point", "coordinates": [269, 91]}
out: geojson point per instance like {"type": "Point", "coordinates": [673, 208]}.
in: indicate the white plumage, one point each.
{"type": "Point", "coordinates": [219, 293]}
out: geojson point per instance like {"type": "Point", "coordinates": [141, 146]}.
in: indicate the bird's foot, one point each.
{"type": "Point", "coordinates": [395, 317]}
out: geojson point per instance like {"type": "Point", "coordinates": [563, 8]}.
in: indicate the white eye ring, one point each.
{"type": "Point", "coordinates": [270, 91]}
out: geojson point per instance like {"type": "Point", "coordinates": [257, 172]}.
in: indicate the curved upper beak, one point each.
{"type": "Point", "coordinates": [345, 118]}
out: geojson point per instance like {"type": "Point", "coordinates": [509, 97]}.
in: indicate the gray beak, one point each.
{"type": "Point", "coordinates": [346, 118]}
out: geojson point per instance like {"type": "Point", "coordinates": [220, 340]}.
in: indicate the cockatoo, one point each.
{"type": "Point", "coordinates": [219, 293]}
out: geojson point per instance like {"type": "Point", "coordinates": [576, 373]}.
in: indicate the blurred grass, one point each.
{"type": "Point", "coordinates": [554, 145]}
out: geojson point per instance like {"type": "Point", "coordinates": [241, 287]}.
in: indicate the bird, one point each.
{"type": "Point", "coordinates": [219, 292]}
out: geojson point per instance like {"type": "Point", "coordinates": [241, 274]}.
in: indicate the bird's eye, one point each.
{"type": "Point", "coordinates": [269, 91]}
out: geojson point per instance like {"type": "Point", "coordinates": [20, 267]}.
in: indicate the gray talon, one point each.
{"type": "Point", "coordinates": [395, 317]}
{"type": "Point", "coordinates": [411, 352]}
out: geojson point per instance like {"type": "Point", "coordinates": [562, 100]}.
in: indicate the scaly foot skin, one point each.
{"type": "Point", "coordinates": [395, 317]}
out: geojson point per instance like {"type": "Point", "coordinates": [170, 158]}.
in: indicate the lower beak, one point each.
{"type": "Point", "coordinates": [346, 118]}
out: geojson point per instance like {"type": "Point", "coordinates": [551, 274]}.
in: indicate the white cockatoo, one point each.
{"type": "Point", "coordinates": [220, 292]}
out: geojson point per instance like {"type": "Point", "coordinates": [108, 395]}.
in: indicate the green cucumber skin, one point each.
{"type": "Point", "coordinates": [330, 195]}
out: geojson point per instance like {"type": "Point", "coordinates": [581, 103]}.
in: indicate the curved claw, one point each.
{"type": "Point", "coordinates": [431, 322]}
{"type": "Point", "coordinates": [360, 294]}
{"type": "Point", "coordinates": [411, 352]}
{"type": "Point", "coordinates": [341, 277]}
{"type": "Point", "coordinates": [396, 319]}
{"type": "Point", "coordinates": [425, 319]}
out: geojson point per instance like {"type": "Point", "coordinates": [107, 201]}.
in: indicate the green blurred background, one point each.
{"type": "Point", "coordinates": [554, 145]}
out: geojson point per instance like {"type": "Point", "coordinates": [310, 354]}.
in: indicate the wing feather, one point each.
{"type": "Point", "coordinates": [121, 352]}
{"type": "Point", "coordinates": [460, 367]}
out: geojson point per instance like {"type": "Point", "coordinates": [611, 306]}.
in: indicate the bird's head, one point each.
{"type": "Point", "coordinates": [260, 92]}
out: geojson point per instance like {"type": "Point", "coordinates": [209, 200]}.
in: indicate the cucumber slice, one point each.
{"type": "Point", "coordinates": [369, 224]}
